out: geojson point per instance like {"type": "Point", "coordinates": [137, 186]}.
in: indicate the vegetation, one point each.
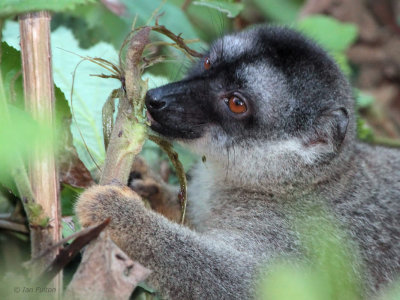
{"type": "Point", "coordinates": [88, 65]}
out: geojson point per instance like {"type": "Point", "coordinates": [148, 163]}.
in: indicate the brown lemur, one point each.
{"type": "Point", "coordinates": [274, 116]}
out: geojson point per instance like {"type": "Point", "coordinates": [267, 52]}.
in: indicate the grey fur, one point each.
{"type": "Point", "coordinates": [297, 149]}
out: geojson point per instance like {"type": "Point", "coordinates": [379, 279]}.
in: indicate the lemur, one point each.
{"type": "Point", "coordinates": [274, 116]}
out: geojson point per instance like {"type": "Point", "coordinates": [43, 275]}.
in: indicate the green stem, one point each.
{"type": "Point", "coordinates": [19, 173]}
{"type": "Point", "coordinates": [180, 171]}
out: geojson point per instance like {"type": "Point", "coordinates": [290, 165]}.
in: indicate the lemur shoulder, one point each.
{"type": "Point", "coordinates": [274, 116]}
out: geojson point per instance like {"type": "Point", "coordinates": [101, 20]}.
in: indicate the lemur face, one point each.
{"type": "Point", "coordinates": [263, 85]}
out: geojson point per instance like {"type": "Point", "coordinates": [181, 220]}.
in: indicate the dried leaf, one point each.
{"type": "Point", "coordinates": [105, 273]}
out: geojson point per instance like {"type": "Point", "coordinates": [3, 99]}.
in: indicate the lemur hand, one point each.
{"type": "Point", "coordinates": [162, 197]}
{"type": "Point", "coordinates": [101, 202]}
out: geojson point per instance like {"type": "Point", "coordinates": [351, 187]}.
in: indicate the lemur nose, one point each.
{"type": "Point", "coordinates": [154, 100]}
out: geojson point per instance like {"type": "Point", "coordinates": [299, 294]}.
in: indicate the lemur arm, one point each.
{"type": "Point", "coordinates": [184, 263]}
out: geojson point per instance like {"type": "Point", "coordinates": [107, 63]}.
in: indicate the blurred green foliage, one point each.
{"type": "Point", "coordinates": [280, 11]}
{"type": "Point", "coordinates": [13, 7]}
{"type": "Point", "coordinates": [230, 7]}
{"type": "Point", "coordinates": [19, 133]}
{"type": "Point", "coordinates": [334, 36]}
{"type": "Point", "coordinates": [88, 28]}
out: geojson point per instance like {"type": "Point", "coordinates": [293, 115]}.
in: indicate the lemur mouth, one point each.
{"type": "Point", "coordinates": [150, 118]}
{"type": "Point", "coordinates": [168, 131]}
{"type": "Point", "coordinates": [154, 125]}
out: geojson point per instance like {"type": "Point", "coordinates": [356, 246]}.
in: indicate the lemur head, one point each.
{"type": "Point", "coordinates": [267, 102]}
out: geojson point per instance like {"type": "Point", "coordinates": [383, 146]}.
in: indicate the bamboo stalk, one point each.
{"type": "Point", "coordinates": [40, 101]}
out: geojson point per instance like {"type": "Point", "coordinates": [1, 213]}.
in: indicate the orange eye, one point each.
{"type": "Point", "coordinates": [236, 105]}
{"type": "Point", "coordinates": [207, 63]}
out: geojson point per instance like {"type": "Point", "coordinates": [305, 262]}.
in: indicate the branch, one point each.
{"type": "Point", "coordinates": [177, 39]}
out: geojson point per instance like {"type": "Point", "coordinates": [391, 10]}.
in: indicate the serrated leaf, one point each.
{"type": "Point", "coordinates": [333, 35]}
{"type": "Point", "coordinates": [229, 8]}
{"type": "Point", "coordinates": [13, 7]}
{"type": "Point", "coordinates": [89, 92]}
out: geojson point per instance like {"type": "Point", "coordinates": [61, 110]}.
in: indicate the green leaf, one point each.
{"type": "Point", "coordinates": [330, 270]}
{"type": "Point", "coordinates": [5, 203]}
{"type": "Point", "coordinates": [13, 7]}
{"type": "Point", "coordinates": [89, 95]}
{"type": "Point", "coordinates": [67, 229]}
{"type": "Point", "coordinates": [69, 195]}
{"type": "Point", "coordinates": [231, 9]}
{"type": "Point", "coordinates": [106, 26]}
{"type": "Point", "coordinates": [281, 11]}
{"type": "Point", "coordinates": [392, 291]}
{"type": "Point", "coordinates": [12, 75]}
{"type": "Point", "coordinates": [333, 35]}
{"type": "Point", "coordinates": [210, 24]}
{"type": "Point", "coordinates": [364, 132]}
{"type": "Point", "coordinates": [19, 133]}
{"type": "Point", "coordinates": [288, 282]}
{"type": "Point", "coordinates": [173, 17]}
{"type": "Point", "coordinates": [363, 100]}
{"type": "Point", "coordinates": [69, 226]}
{"type": "Point", "coordinates": [93, 23]}
{"type": "Point", "coordinates": [89, 92]}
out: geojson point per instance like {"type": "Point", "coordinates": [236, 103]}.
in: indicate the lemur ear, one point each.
{"type": "Point", "coordinates": [341, 117]}
{"type": "Point", "coordinates": [330, 128]}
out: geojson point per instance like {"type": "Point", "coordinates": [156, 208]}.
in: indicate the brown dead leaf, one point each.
{"type": "Point", "coordinates": [105, 272]}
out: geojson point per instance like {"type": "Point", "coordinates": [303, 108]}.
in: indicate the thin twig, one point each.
{"type": "Point", "coordinates": [73, 114]}
{"type": "Point", "coordinates": [185, 5]}
{"type": "Point", "coordinates": [155, 12]}
{"type": "Point", "coordinates": [177, 39]}
{"type": "Point", "coordinates": [173, 156]}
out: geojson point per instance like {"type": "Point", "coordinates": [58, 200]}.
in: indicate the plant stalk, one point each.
{"type": "Point", "coordinates": [40, 102]}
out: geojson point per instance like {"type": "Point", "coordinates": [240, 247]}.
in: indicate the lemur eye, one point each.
{"type": "Point", "coordinates": [207, 63]}
{"type": "Point", "coordinates": [236, 105]}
